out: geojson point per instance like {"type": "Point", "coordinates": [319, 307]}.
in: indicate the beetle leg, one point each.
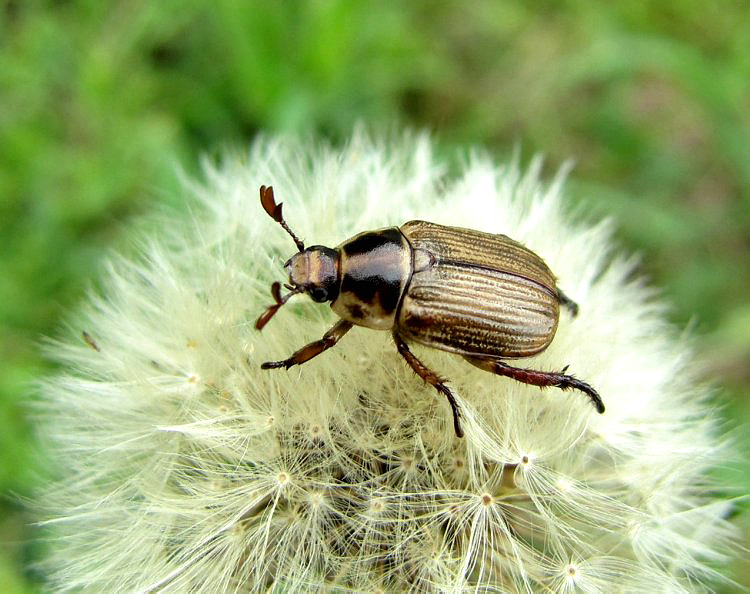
{"type": "Point", "coordinates": [431, 378]}
{"type": "Point", "coordinates": [567, 302]}
{"type": "Point", "coordinates": [313, 349]}
{"type": "Point", "coordinates": [538, 378]}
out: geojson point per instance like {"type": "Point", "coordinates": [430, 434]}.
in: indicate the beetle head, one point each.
{"type": "Point", "coordinates": [315, 271]}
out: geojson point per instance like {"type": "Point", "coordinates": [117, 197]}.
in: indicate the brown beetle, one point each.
{"type": "Point", "coordinates": [482, 296]}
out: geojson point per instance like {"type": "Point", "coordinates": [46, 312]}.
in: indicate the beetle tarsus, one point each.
{"type": "Point", "coordinates": [276, 364]}
{"type": "Point", "coordinates": [568, 303]}
{"type": "Point", "coordinates": [538, 378]}
{"type": "Point", "coordinates": [443, 389]}
{"type": "Point", "coordinates": [313, 349]}
{"type": "Point", "coordinates": [431, 378]}
{"type": "Point", "coordinates": [568, 381]}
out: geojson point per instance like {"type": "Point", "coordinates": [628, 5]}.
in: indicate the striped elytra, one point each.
{"type": "Point", "coordinates": [482, 294]}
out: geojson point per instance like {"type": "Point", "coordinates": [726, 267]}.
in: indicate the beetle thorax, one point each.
{"type": "Point", "coordinates": [375, 269]}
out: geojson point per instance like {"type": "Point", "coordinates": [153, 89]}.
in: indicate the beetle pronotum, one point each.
{"type": "Point", "coordinates": [479, 295]}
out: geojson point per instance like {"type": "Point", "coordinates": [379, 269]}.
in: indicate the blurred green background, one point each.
{"type": "Point", "coordinates": [99, 101]}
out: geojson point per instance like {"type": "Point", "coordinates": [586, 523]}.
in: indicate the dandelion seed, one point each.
{"type": "Point", "coordinates": [185, 467]}
{"type": "Point", "coordinates": [282, 478]}
{"type": "Point", "coordinates": [376, 507]}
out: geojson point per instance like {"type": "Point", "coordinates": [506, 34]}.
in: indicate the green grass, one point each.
{"type": "Point", "coordinates": [99, 101]}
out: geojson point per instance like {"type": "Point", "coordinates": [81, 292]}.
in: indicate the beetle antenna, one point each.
{"type": "Point", "coordinates": [274, 211]}
{"type": "Point", "coordinates": [272, 309]}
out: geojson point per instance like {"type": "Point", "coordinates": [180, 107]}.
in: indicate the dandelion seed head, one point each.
{"type": "Point", "coordinates": [185, 467]}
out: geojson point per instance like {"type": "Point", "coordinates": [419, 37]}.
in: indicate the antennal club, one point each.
{"type": "Point", "coordinates": [274, 211]}
{"type": "Point", "coordinates": [271, 311]}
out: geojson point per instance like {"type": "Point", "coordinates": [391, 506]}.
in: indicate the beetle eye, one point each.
{"type": "Point", "coordinates": [319, 294]}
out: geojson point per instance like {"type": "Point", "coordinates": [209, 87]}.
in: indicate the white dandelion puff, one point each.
{"type": "Point", "coordinates": [185, 467]}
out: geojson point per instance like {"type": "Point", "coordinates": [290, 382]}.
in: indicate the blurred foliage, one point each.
{"type": "Point", "coordinates": [99, 102]}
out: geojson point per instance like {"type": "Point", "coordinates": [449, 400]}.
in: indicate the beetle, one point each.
{"type": "Point", "coordinates": [485, 297]}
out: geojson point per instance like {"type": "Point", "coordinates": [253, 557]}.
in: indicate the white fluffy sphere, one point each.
{"type": "Point", "coordinates": [185, 467]}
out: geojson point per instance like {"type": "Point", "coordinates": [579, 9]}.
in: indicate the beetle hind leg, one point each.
{"type": "Point", "coordinates": [567, 303]}
{"type": "Point", "coordinates": [431, 378]}
{"type": "Point", "coordinates": [539, 378]}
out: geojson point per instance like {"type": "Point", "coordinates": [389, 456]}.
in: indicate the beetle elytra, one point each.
{"type": "Point", "coordinates": [482, 296]}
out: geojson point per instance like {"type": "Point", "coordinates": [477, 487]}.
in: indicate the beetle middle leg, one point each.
{"type": "Point", "coordinates": [313, 349]}
{"type": "Point", "coordinates": [431, 378]}
{"type": "Point", "coordinates": [538, 378]}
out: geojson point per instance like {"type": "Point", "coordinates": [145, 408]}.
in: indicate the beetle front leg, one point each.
{"type": "Point", "coordinates": [313, 349]}
{"type": "Point", "coordinates": [431, 378]}
{"type": "Point", "coordinates": [538, 378]}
